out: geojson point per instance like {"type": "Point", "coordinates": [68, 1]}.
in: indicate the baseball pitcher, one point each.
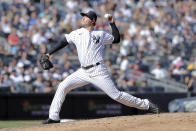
{"type": "Point", "coordinates": [90, 44]}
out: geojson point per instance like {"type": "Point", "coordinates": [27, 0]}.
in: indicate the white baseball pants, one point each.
{"type": "Point", "coordinates": [99, 76]}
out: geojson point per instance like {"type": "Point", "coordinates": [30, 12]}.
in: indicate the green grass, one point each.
{"type": "Point", "coordinates": [18, 123]}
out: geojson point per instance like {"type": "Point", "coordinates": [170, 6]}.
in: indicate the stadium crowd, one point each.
{"type": "Point", "coordinates": [157, 37]}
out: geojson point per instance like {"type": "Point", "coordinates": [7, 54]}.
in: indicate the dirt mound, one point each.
{"type": "Point", "coordinates": [161, 122]}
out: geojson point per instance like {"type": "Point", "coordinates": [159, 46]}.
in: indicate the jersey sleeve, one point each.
{"type": "Point", "coordinates": [70, 37]}
{"type": "Point", "coordinates": [107, 38]}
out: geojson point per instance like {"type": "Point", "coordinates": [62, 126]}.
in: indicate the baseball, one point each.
{"type": "Point", "coordinates": [106, 16]}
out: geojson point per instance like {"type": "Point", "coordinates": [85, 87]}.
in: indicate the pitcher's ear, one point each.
{"type": "Point", "coordinates": [94, 21]}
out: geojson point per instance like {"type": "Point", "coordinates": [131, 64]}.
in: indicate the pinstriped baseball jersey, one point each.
{"type": "Point", "coordinates": [89, 44]}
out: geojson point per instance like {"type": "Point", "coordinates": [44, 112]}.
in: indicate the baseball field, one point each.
{"type": "Point", "coordinates": [161, 122]}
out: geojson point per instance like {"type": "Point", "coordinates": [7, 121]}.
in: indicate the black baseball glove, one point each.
{"type": "Point", "coordinates": [45, 62]}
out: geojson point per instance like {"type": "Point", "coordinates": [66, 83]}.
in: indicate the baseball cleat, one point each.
{"type": "Point", "coordinates": [50, 121]}
{"type": "Point", "coordinates": [153, 108]}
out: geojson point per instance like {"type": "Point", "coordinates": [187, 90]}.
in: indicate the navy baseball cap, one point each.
{"type": "Point", "coordinates": [91, 14]}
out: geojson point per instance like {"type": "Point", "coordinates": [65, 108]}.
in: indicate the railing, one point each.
{"type": "Point", "coordinates": [168, 84]}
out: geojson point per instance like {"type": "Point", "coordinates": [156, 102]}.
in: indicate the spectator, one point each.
{"type": "Point", "coordinates": [56, 74]}
{"type": "Point", "coordinates": [63, 59]}
{"type": "Point", "coordinates": [38, 38]}
{"type": "Point", "coordinates": [5, 26]}
{"type": "Point", "coordinates": [39, 86]}
{"type": "Point", "coordinates": [192, 83]}
{"type": "Point", "coordinates": [20, 73]}
{"type": "Point", "coordinates": [124, 64]}
{"type": "Point", "coordinates": [67, 68]}
{"type": "Point", "coordinates": [126, 45]}
{"type": "Point", "coordinates": [33, 19]}
{"type": "Point", "coordinates": [13, 76]}
{"type": "Point", "coordinates": [5, 80]}
{"type": "Point", "coordinates": [159, 72]}
{"type": "Point", "coordinates": [24, 59]}
{"type": "Point", "coordinates": [13, 40]}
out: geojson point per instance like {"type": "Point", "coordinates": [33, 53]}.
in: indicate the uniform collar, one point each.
{"type": "Point", "coordinates": [88, 30]}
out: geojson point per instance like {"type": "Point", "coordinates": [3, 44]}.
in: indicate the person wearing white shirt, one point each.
{"type": "Point", "coordinates": [90, 44]}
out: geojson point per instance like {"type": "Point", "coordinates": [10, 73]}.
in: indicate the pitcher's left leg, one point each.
{"type": "Point", "coordinates": [107, 85]}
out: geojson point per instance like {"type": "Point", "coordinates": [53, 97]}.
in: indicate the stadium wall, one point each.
{"type": "Point", "coordinates": [76, 106]}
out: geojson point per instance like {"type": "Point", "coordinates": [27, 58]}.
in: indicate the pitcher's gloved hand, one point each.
{"type": "Point", "coordinates": [45, 62]}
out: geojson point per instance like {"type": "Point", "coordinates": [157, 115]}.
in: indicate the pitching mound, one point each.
{"type": "Point", "coordinates": [162, 122]}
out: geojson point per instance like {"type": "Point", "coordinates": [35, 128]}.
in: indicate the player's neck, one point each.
{"type": "Point", "coordinates": [89, 28]}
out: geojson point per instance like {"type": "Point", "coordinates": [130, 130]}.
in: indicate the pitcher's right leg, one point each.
{"type": "Point", "coordinates": [72, 81]}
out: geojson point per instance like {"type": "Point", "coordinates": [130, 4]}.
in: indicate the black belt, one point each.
{"type": "Point", "coordinates": [90, 66]}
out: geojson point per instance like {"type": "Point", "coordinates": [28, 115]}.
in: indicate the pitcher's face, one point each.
{"type": "Point", "coordinates": [85, 21]}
